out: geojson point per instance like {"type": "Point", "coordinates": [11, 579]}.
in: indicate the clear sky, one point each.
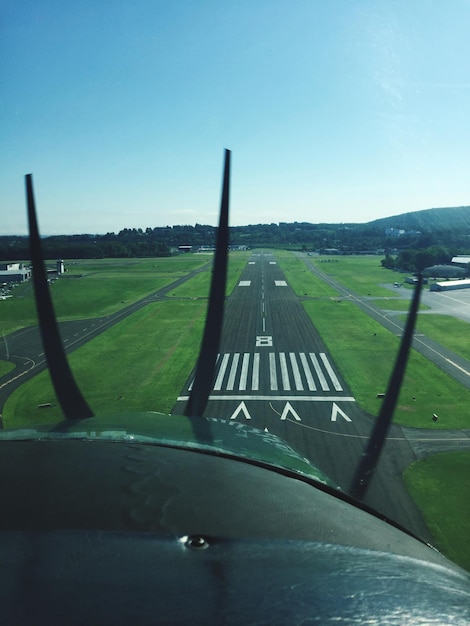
{"type": "Point", "coordinates": [335, 110]}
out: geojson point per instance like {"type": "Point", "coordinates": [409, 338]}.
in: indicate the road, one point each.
{"type": "Point", "coordinates": [274, 372]}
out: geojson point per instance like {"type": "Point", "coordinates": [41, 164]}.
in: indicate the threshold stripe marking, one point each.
{"type": "Point", "coordinates": [221, 374]}
{"type": "Point", "coordinates": [255, 375]}
{"type": "Point", "coordinates": [284, 372]}
{"type": "Point", "coordinates": [272, 372]}
{"type": "Point", "coordinates": [329, 369]}
{"type": "Point", "coordinates": [295, 370]}
{"type": "Point", "coordinates": [321, 376]}
{"type": "Point", "coordinates": [233, 371]}
{"type": "Point", "coordinates": [308, 374]}
{"type": "Point", "coordinates": [244, 372]}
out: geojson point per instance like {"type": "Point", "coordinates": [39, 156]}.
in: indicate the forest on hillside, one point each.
{"type": "Point", "coordinates": [409, 249]}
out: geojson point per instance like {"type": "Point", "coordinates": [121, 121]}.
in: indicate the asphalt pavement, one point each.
{"type": "Point", "coordinates": [274, 372]}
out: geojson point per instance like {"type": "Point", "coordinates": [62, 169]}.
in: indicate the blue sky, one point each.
{"type": "Point", "coordinates": [335, 110]}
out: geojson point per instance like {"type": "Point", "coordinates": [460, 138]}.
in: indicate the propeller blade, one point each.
{"type": "Point", "coordinates": [205, 368]}
{"type": "Point", "coordinates": [371, 454]}
{"type": "Point", "coordinates": [69, 395]}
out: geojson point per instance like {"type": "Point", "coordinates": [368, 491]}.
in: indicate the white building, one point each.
{"type": "Point", "coordinates": [14, 273]}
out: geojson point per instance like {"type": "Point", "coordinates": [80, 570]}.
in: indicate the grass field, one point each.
{"type": "Point", "coordinates": [93, 288]}
{"type": "Point", "coordinates": [362, 274]}
{"type": "Point", "coordinates": [302, 281]}
{"type": "Point", "coordinates": [139, 364]}
{"type": "Point", "coordinates": [5, 367]}
{"type": "Point", "coordinates": [440, 486]}
{"type": "Point", "coordinates": [449, 331]}
{"type": "Point", "coordinates": [365, 351]}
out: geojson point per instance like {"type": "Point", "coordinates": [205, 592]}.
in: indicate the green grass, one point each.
{"type": "Point", "coordinates": [92, 288]}
{"type": "Point", "coordinates": [139, 364]}
{"type": "Point", "coordinates": [449, 331]}
{"type": "Point", "coordinates": [19, 311]}
{"type": "Point", "coordinates": [5, 367]}
{"type": "Point", "coordinates": [365, 353]}
{"type": "Point", "coordinates": [196, 287]}
{"type": "Point", "coordinates": [199, 285]}
{"type": "Point", "coordinates": [440, 486]}
{"type": "Point", "coordinates": [302, 281]}
{"type": "Point", "coordinates": [362, 274]}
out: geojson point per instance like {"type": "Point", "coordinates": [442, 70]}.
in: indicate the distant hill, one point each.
{"type": "Point", "coordinates": [451, 218]}
{"type": "Point", "coordinates": [449, 228]}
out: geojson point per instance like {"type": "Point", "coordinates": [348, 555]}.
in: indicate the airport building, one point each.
{"type": "Point", "coordinates": [461, 259]}
{"type": "Point", "coordinates": [448, 285]}
{"type": "Point", "coordinates": [14, 273]}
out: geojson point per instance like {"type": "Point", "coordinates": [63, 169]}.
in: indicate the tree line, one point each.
{"type": "Point", "coordinates": [409, 252]}
{"type": "Point", "coordinates": [417, 260]}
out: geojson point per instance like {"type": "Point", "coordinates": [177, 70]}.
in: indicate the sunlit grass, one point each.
{"type": "Point", "coordinates": [5, 367]}
{"type": "Point", "coordinates": [93, 288]}
{"type": "Point", "coordinates": [364, 352]}
{"type": "Point", "coordinates": [139, 364]}
{"type": "Point", "coordinates": [362, 274]}
{"type": "Point", "coordinates": [449, 331]}
{"type": "Point", "coordinates": [302, 281]}
{"type": "Point", "coordinates": [440, 486]}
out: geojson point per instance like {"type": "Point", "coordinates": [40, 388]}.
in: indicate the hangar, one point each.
{"type": "Point", "coordinates": [14, 273]}
{"type": "Point", "coordinates": [447, 285]}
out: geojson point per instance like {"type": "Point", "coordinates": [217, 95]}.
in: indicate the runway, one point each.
{"type": "Point", "coordinates": [274, 372]}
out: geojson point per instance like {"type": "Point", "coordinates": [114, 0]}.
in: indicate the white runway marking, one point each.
{"type": "Point", "coordinates": [244, 372]}
{"type": "Point", "coordinates": [318, 371]}
{"type": "Point", "coordinates": [272, 372]}
{"type": "Point", "coordinates": [255, 376]}
{"type": "Point", "coordinates": [335, 411]}
{"type": "Point", "coordinates": [264, 398]}
{"type": "Point", "coordinates": [241, 408]}
{"type": "Point", "coordinates": [233, 371]}
{"type": "Point", "coordinates": [308, 374]}
{"type": "Point", "coordinates": [275, 371]}
{"type": "Point", "coordinates": [284, 373]}
{"type": "Point", "coordinates": [330, 371]}
{"type": "Point", "coordinates": [220, 376]}
{"type": "Point", "coordinates": [288, 409]}
{"type": "Point", "coordinates": [295, 370]}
